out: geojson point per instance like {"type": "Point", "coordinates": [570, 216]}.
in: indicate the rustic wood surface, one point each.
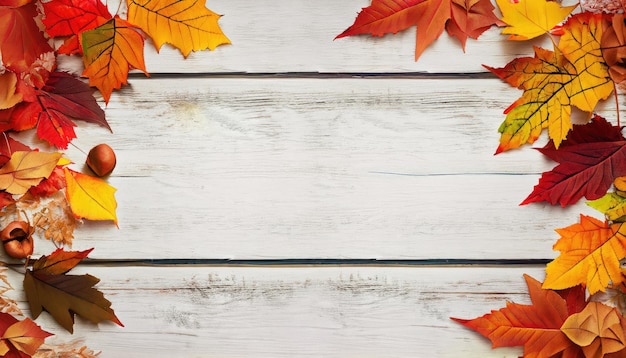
{"type": "Point", "coordinates": [258, 183]}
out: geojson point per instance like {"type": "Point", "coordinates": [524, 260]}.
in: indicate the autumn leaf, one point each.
{"type": "Point", "coordinates": [26, 169]}
{"type": "Point", "coordinates": [8, 96]}
{"type": "Point", "coordinates": [21, 41]}
{"type": "Point", "coordinates": [612, 205]}
{"type": "Point", "coordinates": [598, 329]}
{"type": "Point", "coordinates": [470, 18]}
{"type": "Point", "coordinates": [528, 19]}
{"type": "Point", "coordinates": [20, 336]}
{"type": "Point", "coordinates": [574, 75]}
{"type": "Point", "coordinates": [590, 254]}
{"type": "Point", "coordinates": [109, 52]}
{"type": "Point", "coordinates": [536, 327]}
{"type": "Point", "coordinates": [592, 156]}
{"type": "Point", "coordinates": [186, 24]}
{"type": "Point", "coordinates": [49, 288]}
{"type": "Point", "coordinates": [52, 108]}
{"type": "Point", "coordinates": [71, 18]}
{"type": "Point", "coordinates": [89, 197]}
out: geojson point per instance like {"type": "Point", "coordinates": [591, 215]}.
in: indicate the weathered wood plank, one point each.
{"type": "Point", "coordinates": [298, 311]}
{"type": "Point", "coordinates": [297, 36]}
{"type": "Point", "coordinates": [308, 168]}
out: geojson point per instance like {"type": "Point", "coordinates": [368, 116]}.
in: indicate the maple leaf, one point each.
{"type": "Point", "coordinates": [590, 254]}
{"type": "Point", "coordinates": [89, 197]}
{"type": "Point", "coordinates": [528, 19]}
{"type": "Point", "coordinates": [598, 329]}
{"type": "Point", "coordinates": [110, 51]}
{"type": "Point", "coordinates": [470, 18]}
{"type": "Point", "coordinates": [20, 338]}
{"type": "Point", "coordinates": [71, 18]}
{"type": "Point", "coordinates": [26, 169]}
{"type": "Point", "coordinates": [589, 160]}
{"type": "Point", "coordinates": [537, 327]}
{"type": "Point", "coordinates": [573, 75]}
{"type": "Point", "coordinates": [21, 41]}
{"type": "Point", "coordinates": [186, 24]}
{"type": "Point", "coordinates": [52, 108]}
{"type": "Point", "coordinates": [49, 288]}
{"type": "Point", "coordinates": [461, 18]}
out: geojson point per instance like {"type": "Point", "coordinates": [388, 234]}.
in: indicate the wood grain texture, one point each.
{"type": "Point", "coordinates": [246, 168]}
{"type": "Point", "coordinates": [299, 311]}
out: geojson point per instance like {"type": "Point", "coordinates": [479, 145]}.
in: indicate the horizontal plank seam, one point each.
{"type": "Point", "coordinates": [320, 75]}
{"type": "Point", "coordinates": [316, 262]}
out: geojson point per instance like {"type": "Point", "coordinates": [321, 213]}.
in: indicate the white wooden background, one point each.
{"type": "Point", "coordinates": [287, 145]}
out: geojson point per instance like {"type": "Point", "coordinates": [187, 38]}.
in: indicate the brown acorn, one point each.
{"type": "Point", "coordinates": [101, 160]}
{"type": "Point", "coordinates": [17, 239]}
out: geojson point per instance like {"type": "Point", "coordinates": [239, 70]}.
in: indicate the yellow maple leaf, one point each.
{"type": "Point", "coordinates": [574, 74]}
{"type": "Point", "coordinates": [25, 169]}
{"type": "Point", "coordinates": [89, 197]}
{"type": "Point", "coordinates": [590, 254]}
{"type": "Point", "coordinates": [186, 24]}
{"type": "Point", "coordinates": [527, 19]}
{"type": "Point", "coordinates": [109, 52]}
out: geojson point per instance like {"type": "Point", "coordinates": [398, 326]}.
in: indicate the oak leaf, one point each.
{"type": "Point", "coordinates": [52, 108]}
{"type": "Point", "coordinates": [109, 52]}
{"type": "Point", "coordinates": [26, 169]}
{"type": "Point", "coordinates": [20, 338]}
{"type": "Point", "coordinates": [49, 288]}
{"type": "Point", "coordinates": [574, 75]}
{"type": "Point", "coordinates": [21, 40]}
{"type": "Point", "coordinates": [528, 19]}
{"type": "Point", "coordinates": [590, 255]}
{"type": "Point", "coordinates": [90, 197]}
{"type": "Point", "coordinates": [589, 159]}
{"type": "Point", "coordinates": [186, 24]}
{"type": "Point", "coordinates": [71, 18]}
{"type": "Point", "coordinates": [536, 327]}
{"type": "Point", "coordinates": [598, 329]}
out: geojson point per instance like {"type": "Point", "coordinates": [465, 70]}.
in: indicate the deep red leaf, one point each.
{"type": "Point", "coordinates": [590, 159]}
{"type": "Point", "coordinates": [62, 99]}
{"type": "Point", "coordinates": [72, 17]}
{"type": "Point", "coordinates": [21, 41]}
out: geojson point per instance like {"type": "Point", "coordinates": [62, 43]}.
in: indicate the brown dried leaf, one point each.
{"type": "Point", "coordinates": [613, 47]}
{"type": "Point", "coordinates": [55, 221]}
{"type": "Point", "coordinates": [73, 349]}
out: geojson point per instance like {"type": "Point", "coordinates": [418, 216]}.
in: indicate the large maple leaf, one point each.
{"type": "Point", "coordinates": [590, 254]}
{"type": "Point", "coordinates": [21, 41]}
{"type": "Point", "coordinates": [186, 24]}
{"type": "Point", "coordinates": [109, 52]}
{"type": "Point", "coordinates": [589, 160]}
{"type": "Point", "coordinates": [52, 108]}
{"type": "Point", "coordinates": [49, 288]}
{"type": "Point", "coordinates": [574, 75]}
{"type": "Point", "coordinates": [71, 18]}
{"type": "Point", "coordinates": [527, 19]}
{"type": "Point", "coordinates": [464, 18]}
{"type": "Point", "coordinates": [537, 327]}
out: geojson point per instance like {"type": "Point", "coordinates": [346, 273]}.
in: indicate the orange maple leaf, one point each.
{"type": "Point", "coordinates": [109, 52]}
{"type": "Point", "coordinates": [463, 18]}
{"type": "Point", "coordinates": [186, 24]}
{"type": "Point", "coordinates": [537, 327]}
{"type": "Point", "coordinates": [574, 75]}
{"type": "Point", "coordinates": [590, 254]}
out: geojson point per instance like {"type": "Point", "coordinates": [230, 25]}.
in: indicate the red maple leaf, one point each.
{"type": "Point", "coordinates": [21, 41]}
{"type": "Point", "coordinates": [589, 160]}
{"type": "Point", "coordinates": [52, 108]}
{"type": "Point", "coordinates": [537, 327]}
{"type": "Point", "coordinates": [71, 18]}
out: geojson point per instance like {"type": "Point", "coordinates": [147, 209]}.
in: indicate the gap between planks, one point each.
{"type": "Point", "coordinates": [319, 75]}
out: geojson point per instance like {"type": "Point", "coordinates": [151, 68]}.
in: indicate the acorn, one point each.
{"type": "Point", "coordinates": [17, 239]}
{"type": "Point", "coordinates": [101, 160]}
